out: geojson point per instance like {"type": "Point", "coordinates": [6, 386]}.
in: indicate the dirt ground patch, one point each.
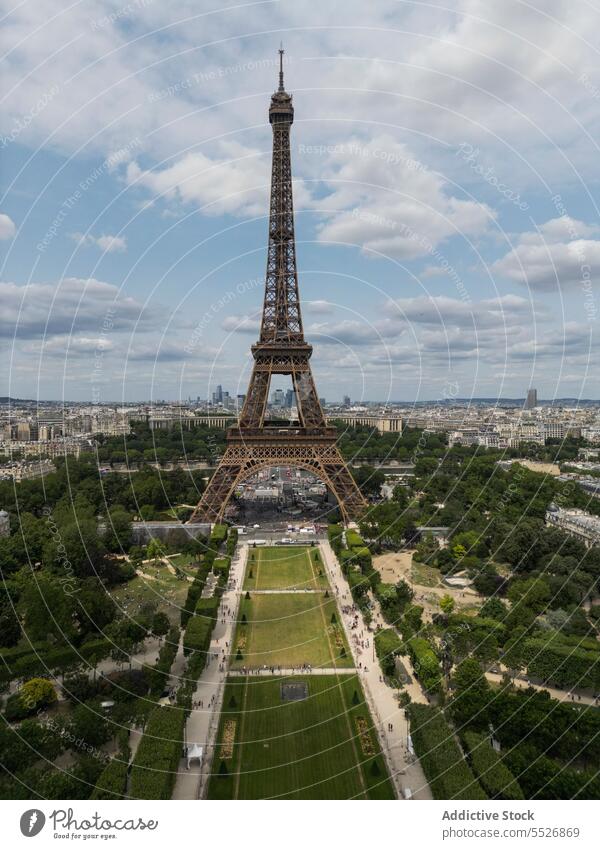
{"type": "Point", "coordinates": [542, 468]}
{"type": "Point", "coordinates": [394, 566]}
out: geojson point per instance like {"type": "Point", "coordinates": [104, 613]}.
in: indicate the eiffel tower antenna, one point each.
{"type": "Point", "coordinates": [257, 442]}
{"type": "Point", "coordinates": [281, 52]}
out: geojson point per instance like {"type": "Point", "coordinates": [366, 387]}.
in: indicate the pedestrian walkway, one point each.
{"type": "Point", "coordinates": [560, 695]}
{"type": "Point", "coordinates": [388, 716]}
{"type": "Point", "coordinates": [202, 725]}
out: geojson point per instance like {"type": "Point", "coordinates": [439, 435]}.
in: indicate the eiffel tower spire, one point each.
{"type": "Point", "coordinates": [281, 350]}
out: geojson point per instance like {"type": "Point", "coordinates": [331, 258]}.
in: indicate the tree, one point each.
{"type": "Point", "coordinates": [37, 693]}
{"type": "Point", "coordinates": [89, 724]}
{"type": "Point", "coordinates": [531, 593]}
{"type": "Point", "coordinates": [447, 604]}
{"type": "Point", "coordinates": [94, 607]}
{"type": "Point", "coordinates": [118, 534]}
{"type": "Point", "coordinates": [369, 480]}
{"type": "Point", "coordinates": [472, 695]}
{"type": "Point", "coordinates": [47, 605]}
{"type": "Point", "coordinates": [160, 624]}
{"type": "Point", "coordinates": [76, 549]}
{"type": "Point", "coordinates": [155, 550]}
{"type": "Point", "coordinates": [493, 608]}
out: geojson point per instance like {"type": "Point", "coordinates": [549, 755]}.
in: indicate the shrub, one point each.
{"type": "Point", "coordinates": [335, 534]}
{"type": "Point", "coordinates": [221, 568]}
{"type": "Point", "coordinates": [159, 675]}
{"type": "Point", "coordinates": [112, 783]}
{"type": "Point", "coordinates": [354, 540]}
{"type": "Point", "coordinates": [495, 777]}
{"type": "Point", "coordinates": [363, 559]}
{"type": "Point", "coordinates": [388, 646]}
{"type": "Point", "coordinates": [559, 663]}
{"type": "Point", "coordinates": [447, 772]}
{"type": "Point", "coordinates": [425, 663]}
{"type": "Point", "coordinates": [33, 695]}
{"type": "Point", "coordinates": [232, 541]}
{"type": "Point", "coordinates": [218, 536]}
{"type": "Point", "coordinates": [158, 755]}
{"type": "Point", "coordinates": [347, 560]}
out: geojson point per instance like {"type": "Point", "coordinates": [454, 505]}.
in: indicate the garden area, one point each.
{"type": "Point", "coordinates": [319, 747]}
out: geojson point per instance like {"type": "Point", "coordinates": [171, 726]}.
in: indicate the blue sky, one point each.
{"type": "Point", "coordinates": [446, 188]}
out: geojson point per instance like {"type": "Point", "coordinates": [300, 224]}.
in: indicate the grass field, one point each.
{"type": "Point", "coordinates": [285, 569]}
{"type": "Point", "coordinates": [159, 587]}
{"type": "Point", "coordinates": [323, 747]}
{"type": "Point", "coordinates": [290, 629]}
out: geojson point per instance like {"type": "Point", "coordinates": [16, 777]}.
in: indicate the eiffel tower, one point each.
{"type": "Point", "coordinates": [256, 442]}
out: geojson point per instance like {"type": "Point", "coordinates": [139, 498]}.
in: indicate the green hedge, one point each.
{"type": "Point", "coordinates": [347, 560]}
{"type": "Point", "coordinates": [57, 660]}
{"type": "Point", "coordinates": [426, 665]}
{"type": "Point", "coordinates": [157, 758]}
{"type": "Point", "coordinates": [561, 664]}
{"type": "Point", "coordinates": [159, 674]}
{"type": "Point", "coordinates": [447, 772]}
{"type": "Point", "coordinates": [354, 540]}
{"type": "Point", "coordinates": [495, 777]}
{"type": "Point", "coordinates": [112, 783]}
{"type": "Point", "coordinates": [221, 568]}
{"type": "Point", "coordinates": [218, 535]}
{"type": "Point", "coordinates": [335, 534]}
{"type": "Point", "coordinates": [196, 588]}
{"type": "Point", "coordinates": [198, 632]}
{"type": "Point", "coordinates": [388, 646]}
{"type": "Point", "coordinates": [363, 558]}
{"type": "Point", "coordinates": [232, 541]}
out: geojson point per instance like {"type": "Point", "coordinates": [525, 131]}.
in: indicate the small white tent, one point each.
{"type": "Point", "coordinates": [194, 752]}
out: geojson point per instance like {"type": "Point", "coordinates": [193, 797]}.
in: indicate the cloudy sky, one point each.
{"type": "Point", "coordinates": [446, 187]}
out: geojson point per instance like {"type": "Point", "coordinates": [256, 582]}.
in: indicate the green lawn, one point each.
{"type": "Point", "coordinates": [290, 629]}
{"type": "Point", "coordinates": [160, 587]}
{"type": "Point", "coordinates": [323, 747]}
{"type": "Point", "coordinates": [285, 569]}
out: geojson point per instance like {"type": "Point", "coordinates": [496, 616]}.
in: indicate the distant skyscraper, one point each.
{"type": "Point", "coordinates": [347, 401]}
{"type": "Point", "coordinates": [240, 401]}
{"type": "Point", "coordinates": [289, 399]}
{"type": "Point", "coordinates": [278, 398]}
{"type": "Point", "coordinates": [531, 402]}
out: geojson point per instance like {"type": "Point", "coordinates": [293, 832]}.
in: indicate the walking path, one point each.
{"type": "Point", "coordinates": [573, 697]}
{"type": "Point", "coordinates": [203, 722]}
{"type": "Point", "coordinates": [388, 716]}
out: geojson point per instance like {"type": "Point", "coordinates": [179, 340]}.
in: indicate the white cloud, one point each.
{"type": "Point", "coordinates": [319, 307]}
{"type": "Point", "coordinates": [556, 257]}
{"type": "Point", "coordinates": [108, 244]}
{"type": "Point", "coordinates": [72, 306]}
{"type": "Point", "coordinates": [242, 324]}
{"type": "Point", "coordinates": [7, 227]}
{"type": "Point", "coordinates": [384, 200]}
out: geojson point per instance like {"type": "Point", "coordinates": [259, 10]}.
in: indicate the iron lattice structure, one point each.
{"type": "Point", "coordinates": [256, 443]}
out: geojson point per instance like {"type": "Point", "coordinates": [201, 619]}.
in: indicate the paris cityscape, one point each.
{"type": "Point", "coordinates": [327, 531]}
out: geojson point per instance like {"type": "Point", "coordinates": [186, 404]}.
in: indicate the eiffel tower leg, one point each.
{"type": "Point", "coordinates": [253, 414]}
{"type": "Point", "coordinates": [218, 492]}
{"type": "Point", "coordinates": [349, 497]}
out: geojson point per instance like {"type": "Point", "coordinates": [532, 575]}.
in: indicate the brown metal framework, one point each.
{"type": "Point", "coordinates": [281, 350]}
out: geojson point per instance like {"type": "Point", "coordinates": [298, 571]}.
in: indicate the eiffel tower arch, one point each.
{"type": "Point", "coordinates": [256, 442]}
